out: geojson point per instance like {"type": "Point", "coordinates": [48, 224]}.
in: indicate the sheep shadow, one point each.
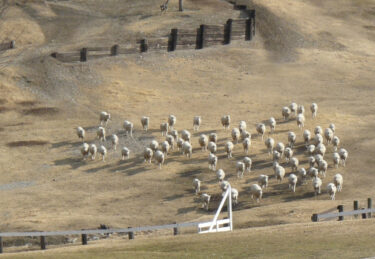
{"type": "Point", "coordinates": [66, 143]}
{"type": "Point", "coordinates": [301, 196]}
{"type": "Point", "coordinates": [173, 197]}
{"type": "Point", "coordinates": [131, 167]}
{"type": "Point", "coordinates": [97, 169]}
{"type": "Point", "coordinates": [206, 132]}
{"type": "Point", "coordinates": [185, 210]}
{"type": "Point", "coordinates": [73, 162]}
{"type": "Point", "coordinates": [190, 173]}
{"type": "Point", "coordinates": [261, 164]}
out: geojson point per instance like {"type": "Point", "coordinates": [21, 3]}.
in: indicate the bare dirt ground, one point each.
{"type": "Point", "coordinates": [304, 51]}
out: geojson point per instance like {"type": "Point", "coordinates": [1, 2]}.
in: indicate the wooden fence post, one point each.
{"type": "Point", "coordinates": [341, 209]}
{"type": "Point", "coordinates": [364, 215]}
{"type": "Point", "coordinates": [249, 27]}
{"type": "Point", "coordinates": [314, 218]}
{"type": "Point", "coordinates": [1, 245]}
{"type": "Point", "coordinates": [83, 57]}
{"type": "Point", "coordinates": [131, 234]}
{"type": "Point", "coordinates": [355, 207]}
{"type": "Point", "coordinates": [42, 242]}
{"type": "Point", "coordinates": [369, 206]}
{"type": "Point", "coordinates": [200, 37]}
{"type": "Point", "coordinates": [84, 239]}
{"type": "Point", "coordinates": [180, 6]}
{"type": "Point", "coordinates": [172, 44]}
{"type": "Point", "coordinates": [114, 50]}
{"type": "Point", "coordinates": [144, 45]}
{"type": "Point", "coordinates": [252, 17]}
{"type": "Point", "coordinates": [175, 230]}
{"type": "Point", "coordinates": [228, 31]}
{"type": "Point", "coordinates": [12, 44]}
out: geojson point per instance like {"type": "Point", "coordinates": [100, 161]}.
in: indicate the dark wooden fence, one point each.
{"type": "Point", "coordinates": [178, 39]}
{"type": "Point", "coordinates": [7, 45]}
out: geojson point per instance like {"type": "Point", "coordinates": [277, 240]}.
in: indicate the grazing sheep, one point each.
{"type": "Point", "coordinates": [224, 185]}
{"type": "Point", "coordinates": [332, 127]}
{"type": "Point", "coordinates": [164, 127]}
{"type": "Point", "coordinates": [335, 143]}
{"type": "Point", "coordinates": [165, 147]}
{"type": "Point", "coordinates": [314, 109]}
{"type": "Point", "coordinates": [245, 134]}
{"type": "Point", "coordinates": [256, 191]}
{"type": "Point", "coordinates": [328, 134]}
{"type": "Point", "coordinates": [225, 121]}
{"type": "Point", "coordinates": [318, 158]}
{"type": "Point", "coordinates": [104, 117]}
{"type": "Point", "coordinates": [172, 121]}
{"type": "Point", "coordinates": [317, 184]}
{"type": "Point", "coordinates": [292, 180]}
{"type": "Point", "coordinates": [187, 149]}
{"type": "Point", "coordinates": [306, 137]}
{"type": "Point", "coordinates": [313, 172]}
{"type": "Point", "coordinates": [263, 181]}
{"type": "Point", "coordinates": [272, 123]}
{"type": "Point", "coordinates": [322, 167]}
{"type": "Point", "coordinates": [242, 126]}
{"type": "Point", "coordinates": [180, 142]}
{"type": "Point", "coordinates": [145, 121]}
{"type": "Point", "coordinates": [125, 153]}
{"type": "Point", "coordinates": [246, 145]}
{"type": "Point", "coordinates": [212, 147]}
{"type": "Point", "coordinates": [128, 126]}
{"type": "Point", "coordinates": [170, 140]}
{"type": "Point", "coordinates": [235, 135]}
{"type": "Point", "coordinates": [311, 161]}
{"type": "Point", "coordinates": [320, 149]}
{"type": "Point", "coordinates": [220, 174]}
{"type": "Point", "coordinates": [154, 145]}
{"type": "Point", "coordinates": [100, 133]}
{"type": "Point", "coordinates": [240, 166]}
{"type": "Point", "coordinates": [331, 189]}
{"type": "Point", "coordinates": [185, 135]}
{"type": "Point", "coordinates": [318, 130]}
{"type": "Point", "coordinates": [302, 175]}
{"type": "Point", "coordinates": [343, 155]}
{"type": "Point", "coordinates": [261, 129]}
{"type": "Point", "coordinates": [338, 181]}
{"type": "Point", "coordinates": [300, 120]}
{"type": "Point", "coordinates": [270, 142]}
{"type": "Point", "coordinates": [103, 152]}
{"type": "Point", "coordinates": [81, 133]}
{"type": "Point", "coordinates": [276, 155]}
{"type": "Point", "coordinates": [114, 140]}
{"type": "Point", "coordinates": [159, 158]}
{"type": "Point", "coordinates": [229, 148]}
{"type": "Point", "coordinates": [148, 154]}
{"type": "Point", "coordinates": [286, 113]}
{"type": "Point", "coordinates": [212, 137]}
{"type": "Point", "coordinates": [206, 200]}
{"type": "Point", "coordinates": [301, 109]}
{"type": "Point", "coordinates": [294, 164]}
{"type": "Point", "coordinates": [212, 161]}
{"type": "Point", "coordinates": [311, 149]}
{"type": "Point", "coordinates": [248, 162]}
{"type": "Point", "coordinates": [291, 139]}
{"type": "Point", "coordinates": [288, 153]}
{"type": "Point", "coordinates": [280, 147]}
{"type": "Point", "coordinates": [203, 142]}
{"type": "Point", "coordinates": [197, 121]}
{"type": "Point", "coordinates": [196, 185]}
{"type": "Point", "coordinates": [93, 149]}
{"type": "Point", "coordinates": [85, 150]}
{"type": "Point", "coordinates": [318, 139]}
{"type": "Point", "coordinates": [293, 108]}
{"type": "Point", "coordinates": [279, 172]}
{"type": "Point", "coordinates": [174, 133]}
{"type": "Point", "coordinates": [234, 194]}
{"type": "Point", "coordinates": [336, 159]}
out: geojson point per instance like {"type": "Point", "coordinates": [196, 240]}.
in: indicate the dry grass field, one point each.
{"type": "Point", "coordinates": [304, 51]}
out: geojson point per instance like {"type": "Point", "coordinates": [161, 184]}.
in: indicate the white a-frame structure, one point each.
{"type": "Point", "coordinates": [218, 225]}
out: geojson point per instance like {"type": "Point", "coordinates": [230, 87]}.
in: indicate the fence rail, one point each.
{"type": "Point", "coordinates": [7, 45]}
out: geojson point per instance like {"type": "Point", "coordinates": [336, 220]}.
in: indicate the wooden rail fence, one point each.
{"type": "Point", "coordinates": [7, 45]}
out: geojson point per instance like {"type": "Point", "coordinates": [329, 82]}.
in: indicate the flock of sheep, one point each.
{"type": "Point", "coordinates": [315, 149]}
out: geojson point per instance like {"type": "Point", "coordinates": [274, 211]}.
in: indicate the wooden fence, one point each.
{"type": "Point", "coordinates": [178, 39]}
{"type": "Point", "coordinates": [7, 45]}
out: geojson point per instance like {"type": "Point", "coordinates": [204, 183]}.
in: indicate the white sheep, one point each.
{"type": "Point", "coordinates": [314, 109]}
{"type": "Point", "coordinates": [343, 155]}
{"type": "Point", "coordinates": [293, 108]}
{"type": "Point", "coordinates": [288, 153]}
{"type": "Point", "coordinates": [320, 149]}
{"type": "Point", "coordinates": [292, 180]}
{"type": "Point", "coordinates": [318, 158]}
{"type": "Point", "coordinates": [300, 120]}
{"type": "Point", "coordinates": [206, 200]}
{"type": "Point", "coordinates": [172, 121]}
{"type": "Point", "coordinates": [104, 117]}
{"type": "Point", "coordinates": [159, 158]}
{"type": "Point", "coordinates": [212, 161]}
{"type": "Point", "coordinates": [196, 185]}
{"type": "Point", "coordinates": [263, 181]}
{"type": "Point", "coordinates": [234, 194]}
{"type": "Point", "coordinates": [336, 159]}
{"type": "Point", "coordinates": [272, 123]}
{"type": "Point", "coordinates": [220, 174]}
{"type": "Point", "coordinates": [318, 130]}
{"type": "Point", "coordinates": [148, 154]}
{"type": "Point", "coordinates": [245, 134]}
{"type": "Point", "coordinates": [180, 142]}
{"type": "Point", "coordinates": [128, 127]}
{"type": "Point", "coordinates": [235, 135]}
{"type": "Point", "coordinates": [165, 147]}
{"type": "Point", "coordinates": [328, 134]}
{"type": "Point", "coordinates": [154, 145]}
{"type": "Point", "coordinates": [294, 163]}
{"type": "Point", "coordinates": [261, 129]}
{"type": "Point", "coordinates": [311, 161]}
{"type": "Point", "coordinates": [170, 140]}
{"type": "Point", "coordinates": [187, 149]}
{"type": "Point", "coordinates": [125, 153]}
{"type": "Point", "coordinates": [240, 166]}
{"type": "Point", "coordinates": [318, 139]}
{"type": "Point", "coordinates": [203, 142]}
{"type": "Point", "coordinates": [229, 148]}
{"type": "Point", "coordinates": [212, 147]}
{"type": "Point", "coordinates": [306, 137]}
{"type": "Point", "coordinates": [332, 127]}
{"type": "Point", "coordinates": [224, 185]}
{"type": "Point", "coordinates": [164, 128]}
{"type": "Point", "coordinates": [100, 133]}
{"type": "Point", "coordinates": [286, 113]}
{"type": "Point", "coordinates": [93, 149]}
{"type": "Point", "coordinates": [114, 140]}
{"type": "Point", "coordinates": [338, 181]}
{"type": "Point", "coordinates": [103, 152]}
{"type": "Point", "coordinates": [276, 156]}
{"type": "Point", "coordinates": [270, 142]}
{"type": "Point", "coordinates": [185, 135]}
{"type": "Point", "coordinates": [317, 184]}
{"type": "Point", "coordinates": [85, 150]}
{"type": "Point", "coordinates": [335, 143]}
{"type": "Point", "coordinates": [174, 133]}
{"type": "Point", "coordinates": [280, 147]}
{"type": "Point", "coordinates": [313, 172]}
{"type": "Point", "coordinates": [81, 133]}
{"type": "Point", "coordinates": [311, 149]}
{"type": "Point", "coordinates": [225, 121]}
{"type": "Point", "coordinates": [248, 162]}
{"type": "Point", "coordinates": [302, 175]}
{"type": "Point", "coordinates": [301, 109]}
{"type": "Point", "coordinates": [279, 172]}
{"type": "Point", "coordinates": [246, 145]}
{"type": "Point", "coordinates": [322, 167]}
{"type": "Point", "coordinates": [145, 121]}
{"type": "Point", "coordinates": [197, 121]}
{"type": "Point", "coordinates": [331, 189]}
{"type": "Point", "coordinates": [256, 191]}
{"type": "Point", "coordinates": [242, 126]}
{"type": "Point", "coordinates": [291, 139]}
{"type": "Point", "coordinates": [212, 137]}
